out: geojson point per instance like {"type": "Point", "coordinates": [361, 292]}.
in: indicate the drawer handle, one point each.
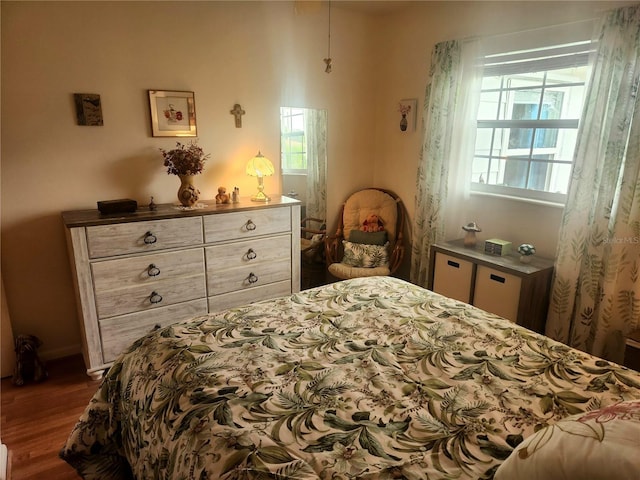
{"type": "Point", "coordinates": [497, 278]}
{"type": "Point", "coordinates": [252, 278]}
{"type": "Point", "coordinates": [451, 263]}
{"type": "Point", "coordinates": [153, 271]}
{"type": "Point", "coordinates": [251, 254]}
{"type": "Point", "coordinates": [150, 238]}
{"type": "Point", "coordinates": [250, 225]}
{"type": "Point", "coordinates": [155, 297]}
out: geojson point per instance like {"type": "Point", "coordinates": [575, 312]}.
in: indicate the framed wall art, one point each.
{"type": "Point", "coordinates": [408, 113]}
{"type": "Point", "coordinates": [173, 114]}
{"type": "Point", "coordinates": [88, 109]}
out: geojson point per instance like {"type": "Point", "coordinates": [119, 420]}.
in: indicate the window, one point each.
{"type": "Point", "coordinates": [293, 142]}
{"type": "Point", "coordinates": [530, 107]}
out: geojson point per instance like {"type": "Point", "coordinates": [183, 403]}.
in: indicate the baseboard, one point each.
{"type": "Point", "coordinates": [68, 351]}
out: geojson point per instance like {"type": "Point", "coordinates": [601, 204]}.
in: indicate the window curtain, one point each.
{"type": "Point", "coordinates": [448, 128]}
{"type": "Point", "coordinates": [595, 297]}
{"type": "Point", "coordinates": [316, 133]}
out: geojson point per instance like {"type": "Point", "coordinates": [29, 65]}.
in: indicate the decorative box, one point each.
{"type": "Point", "coordinates": [122, 205]}
{"type": "Point", "coordinates": [496, 246]}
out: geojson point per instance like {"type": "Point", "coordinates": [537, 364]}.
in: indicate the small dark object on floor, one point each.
{"type": "Point", "coordinates": [28, 364]}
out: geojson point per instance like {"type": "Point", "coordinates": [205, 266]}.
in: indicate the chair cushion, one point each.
{"type": "Point", "coordinates": [345, 272]}
{"type": "Point", "coordinates": [367, 256]}
{"type": "Point", "coordinates": [366, 202]}
{"type": "Point", "coordinates": [369, 238]}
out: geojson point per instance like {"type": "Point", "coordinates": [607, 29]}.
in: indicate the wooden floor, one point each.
{"type": "Point", "coordinates": [37, 418]}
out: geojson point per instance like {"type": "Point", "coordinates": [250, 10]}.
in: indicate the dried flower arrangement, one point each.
{"type": "Point", "coordinates": [184, 159]}
{"type": "Point", "coordinates": [404, 108]}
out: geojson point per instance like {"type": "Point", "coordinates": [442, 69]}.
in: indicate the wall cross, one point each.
{"type": "Point", "coordinates": [237, 112]}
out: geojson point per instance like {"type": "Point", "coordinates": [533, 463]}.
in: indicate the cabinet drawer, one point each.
{"type": "Point", "coordinates": [247, 224]}
{"type": "Point", "coordinates": [452, 277]}
{"type": "Point", "coordinates": [119, 333]}
{"type": "Point", "coordinates": [247, 253]}
{"type": "Point", "coordinates": [146, 269]}
{"type": "Point", "coordinates": [243, 297]}
{"type": "Point", "coordinates": [497, 292]}
{"type": "Point", "coordinates": [152, 296]}
{"type": "Point", "coordinates": [248, 276]}
{"type": "Point", "coordinates": [136, 237]}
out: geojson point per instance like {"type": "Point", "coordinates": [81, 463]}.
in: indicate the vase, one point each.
{"type": "Point", "coordinates": [525, 258]}
{"type": "Point", "coordinates": [188, 194]}
{"type": "Point", "coordinates": [470, 239]}
{"type": "Point", "coordinates": [403, 122]}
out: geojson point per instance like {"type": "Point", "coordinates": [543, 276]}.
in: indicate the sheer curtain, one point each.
{"type": "Point", "coordinates": [316, 133]}
{"type": "Point", "coordinates": [596, 292]}
{"type": "Point", "coordinates": [449, 125]}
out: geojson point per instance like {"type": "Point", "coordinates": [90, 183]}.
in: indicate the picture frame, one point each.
{"type": "Point", "coordinates": [173, 113]}
{"type": "Point", "coordinates": [88, 109]}
{"type": "Point", "coordinates": [408, 109]}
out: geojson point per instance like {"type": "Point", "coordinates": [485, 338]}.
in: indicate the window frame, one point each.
{"type": "Point", "coordinates": [543, 60]}
{"type": "Point", "coordinates": [288, 135]}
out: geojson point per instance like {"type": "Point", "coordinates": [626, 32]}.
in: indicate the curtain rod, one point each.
{"type": "Point", "coordinates": [529, 30]}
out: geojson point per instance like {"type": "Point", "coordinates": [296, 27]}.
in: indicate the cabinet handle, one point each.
{"type": "Point", "coordinates": [251, 254]}
{"type": "Point", "coordinates": [150, 238]}
{"type": "Point", "coordinates": [155, 298]}
{"type": "Point", "coordinates": [250, 225]}
{"type": "Point", "coordinates": [252, 278]}
{"type": "Point", "coordinates": [451, 263]}
{"type": "Point", "coordinates": [497, 278]}
{"type": "Point", "coordinates": [153, 271]}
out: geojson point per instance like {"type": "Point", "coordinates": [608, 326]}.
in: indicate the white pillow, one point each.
{"type": "Point", "coordinates": [598, 445]}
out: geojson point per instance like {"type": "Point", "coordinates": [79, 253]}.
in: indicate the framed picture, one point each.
{"type": "Point", "coordinates": [173, 114]}
{"type": "Point", "coordinates": [88, 109]}
{"type": "Point", "coordinates": [408, 114]}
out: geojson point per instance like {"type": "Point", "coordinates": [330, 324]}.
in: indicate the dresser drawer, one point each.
{"type": "Point", "coordinates": [247, 253]}
{"type": "Point", "coordinates": [119, 333]}
{"type": "Point", "coordinates": [247, 277]}
{"type": "Point", "coordinates": [244, 297]}
{"type": "Point", "coordinates": [170, 291]}
{"type": "Point", "coordinates": [497, 292]}
{"type": "Point", "coordinates": [136, 237]}
{"type": "Point", "coordinates": [452, 277]}
{"type": "Point", "coordinates": [247, 224]}
{"type": "Point", "coordinates": [146, 269]}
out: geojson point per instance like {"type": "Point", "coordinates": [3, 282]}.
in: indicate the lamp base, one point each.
{"type": "Point", "coordinates": [260, 197]}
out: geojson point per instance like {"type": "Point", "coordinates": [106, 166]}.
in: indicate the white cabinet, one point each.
{"type": "Point", "coordinates": [140, 271]}
{"type": "Point", "coordinates": [498, 284]}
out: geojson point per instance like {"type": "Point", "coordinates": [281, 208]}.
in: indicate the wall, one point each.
{"type": "Point", "coordinates": [259, 54]}
{"type": "Point", "coordinates": [404, 41]}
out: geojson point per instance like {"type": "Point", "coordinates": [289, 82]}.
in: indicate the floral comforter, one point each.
{"type": "Point", "coordinates": [371, 378]}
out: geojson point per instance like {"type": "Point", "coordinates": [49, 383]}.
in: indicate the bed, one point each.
{"type": "Point", "coordinates": [371, 378]}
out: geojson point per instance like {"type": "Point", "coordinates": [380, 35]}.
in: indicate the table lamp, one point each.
{"type": "Point", "coordinates": [260, 166]}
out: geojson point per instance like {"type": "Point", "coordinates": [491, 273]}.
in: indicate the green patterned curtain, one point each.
{"type": "Point", "coordinates": [596, 292]}
{"type": "Point", "coordinates": [448, 129]}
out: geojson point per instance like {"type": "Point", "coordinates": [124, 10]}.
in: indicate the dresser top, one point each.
{"type": "Point", "coordinates": [85, 218]}
{"type": "Point", "coordinates": [509, 262]}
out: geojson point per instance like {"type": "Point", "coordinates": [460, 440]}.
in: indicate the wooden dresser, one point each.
{"type": "Point", "coordinates": [139, 271]}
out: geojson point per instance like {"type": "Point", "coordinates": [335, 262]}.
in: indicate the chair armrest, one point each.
{"type": "Point", "coordinates": [332, 246]}
{"type": "Point", "coordinates": [395, 258]}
